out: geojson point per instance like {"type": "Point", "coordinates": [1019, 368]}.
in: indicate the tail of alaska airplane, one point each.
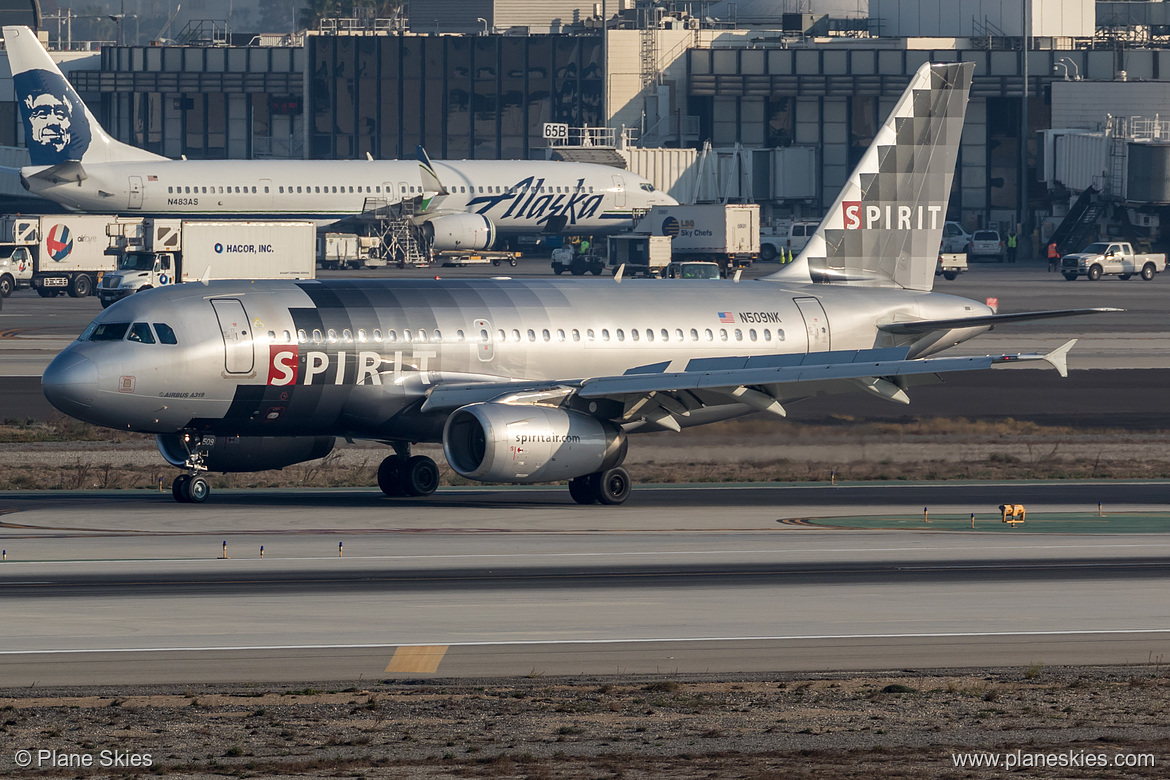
{"type": "Point", "coordinates": [886, 225]}
{"type": "Point", "coordinates": [58, 127]}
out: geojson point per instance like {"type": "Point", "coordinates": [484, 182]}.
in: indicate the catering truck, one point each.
{"type": "Point", "coordinates": [1114, 258]}
{"type": "Point", "coordinates": [170, 251]}
{"type": "Point", "coordinates": [728, 234]}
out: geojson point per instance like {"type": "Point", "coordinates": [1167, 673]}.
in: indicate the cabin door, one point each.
{"type": "Point", "coordinates": [135, 192]}
{"type": "Point", "coordinates": [816, 323]}
{"type": "Point", "coordinates": [239, 356]}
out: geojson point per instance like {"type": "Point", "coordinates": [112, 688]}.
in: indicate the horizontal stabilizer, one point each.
{"type": "Point", "coordinates": [61, 173]}
{"type": "Point", "coordinates": [929, 326]}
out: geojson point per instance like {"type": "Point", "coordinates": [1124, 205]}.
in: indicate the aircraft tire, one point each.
{"type": "Point", "coordinates": [179, 488]}
{"type": "Point", "coordinates": [581, 489]}
{"type": "Point", "coordinates": [390, 477]}
{"type": "Point", "coordinates": [612, 486]}
{"type": "Point", "coordinates": [420, 476]}
{"type": "Point", "coordinates": [197, 490]}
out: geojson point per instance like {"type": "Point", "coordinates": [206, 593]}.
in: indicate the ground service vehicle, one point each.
{"type": "Point", "coordinates": [955, 239]}
{"type": "Point", "coordinates": [348, 250]}
{"type": "Point", "coordinates": [951, 264]}
{"type": "Point", "coordinates": [70, 254]}
{"type": "Point", "coordinates": [570, 258]}
{"type": "Point", "coordinates": [728, 234]}
{"type": "Point", "coordinates": [790, 239]}
{"type": "Point", "coordinates": [166, 251]}
{"type": "Point", "coordinates": [456, 259]}
{"type": "Point", "coordinates": [986, 244]}
{"type": "Point", "coordinates": [1114, 258]}
{"type": "Point", "coordinates": [642, 255]}
{"type": "Point", "coordinates": [18, 244]}
{"type": "Point", "coordinates": [694, 269]}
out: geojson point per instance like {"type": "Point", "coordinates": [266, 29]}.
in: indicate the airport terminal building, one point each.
{"type": "Point", "coordinates": [752, 101]}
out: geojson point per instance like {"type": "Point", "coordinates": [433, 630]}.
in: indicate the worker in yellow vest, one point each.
{"type": "Point", "coordinates": [1012, 241]}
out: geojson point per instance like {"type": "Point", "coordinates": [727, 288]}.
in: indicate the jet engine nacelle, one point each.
{"type": "Point", "coordinates": [503, 443]}
{"type": "Point", "coordinates": [460, 231]}
{"type": "Point", "coordinates": [248, 453]}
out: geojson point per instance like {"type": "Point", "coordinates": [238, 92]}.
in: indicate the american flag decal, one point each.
{"type": "Point", "coordinates": [726, 316]}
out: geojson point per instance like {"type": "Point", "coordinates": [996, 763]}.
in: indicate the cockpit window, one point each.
{"type": "Point", "coordinates": [140, 331]}
{"type": "Point", "coordinates": [647, 186]}
{"type": "Point", "coordinates": [110, 331]}
{"type": "Point", "coordinates": [166, 334]}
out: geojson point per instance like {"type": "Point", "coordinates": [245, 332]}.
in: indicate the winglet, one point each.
{"type": "Point", "coordinates": [203, 280]}
{"type": "Point", "coordinates": [1058, 358]}
{"type": "Point", "coordinates": [617, 275]}
{"type": "Point", "coordinates": [430, 179]}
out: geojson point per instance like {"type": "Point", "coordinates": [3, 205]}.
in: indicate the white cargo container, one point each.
{"type": "Point", "coordinates": [177, 251]}
{"type": "Point", "coordinates": [729, 233]}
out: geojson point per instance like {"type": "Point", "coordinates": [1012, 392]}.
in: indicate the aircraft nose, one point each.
{"type": "Point", "coordinates": [70, 383]}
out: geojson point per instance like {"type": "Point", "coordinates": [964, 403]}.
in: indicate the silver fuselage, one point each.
{"type": "Point", "coordinates": [357, 358]}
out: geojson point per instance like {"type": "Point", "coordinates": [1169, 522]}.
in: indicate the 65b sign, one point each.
{"type": "Point", "coordinates": [556, 131]}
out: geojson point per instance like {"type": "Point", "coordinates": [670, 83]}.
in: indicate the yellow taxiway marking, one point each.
{"type": "Point", "coordinates": [424, 659]}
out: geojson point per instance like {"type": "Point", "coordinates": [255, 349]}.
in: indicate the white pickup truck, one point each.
{"type": "Point", "coordinates": [1116, 258]}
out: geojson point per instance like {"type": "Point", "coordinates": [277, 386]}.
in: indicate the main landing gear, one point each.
{"type": "Point", "coordinates": [193, 488]}
{"type": "Point", "coordinates": [402, 475]}
{"type": "Point", "coordinates": [611, 487]}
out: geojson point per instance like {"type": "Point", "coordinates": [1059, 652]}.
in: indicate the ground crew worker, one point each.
{"type": "Point", "coordinates": [1053, 256]}
{"type": "Point", "coordinates": [1011, 245]}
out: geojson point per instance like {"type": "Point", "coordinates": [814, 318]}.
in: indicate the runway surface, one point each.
{"type": "Point", "coordinates": [129, 587]}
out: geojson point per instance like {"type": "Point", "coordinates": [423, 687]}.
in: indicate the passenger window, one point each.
{"type": "Point", "coordinates": [738, 334]}
{"type": "Point", "coordinates": [634, 335]}
{"type": "Point", "coordinates": [406, 335]}
{"type": "Point", "coordinates": [392, 336]}
{"type": "Point", "coordinates": [589, 335]}
{"type": "Point", "coordinates": [723, 334]}
{"type": "Point", "coordinates": [767, 334]}
{"type": "Point", "coordinates": [253, 190]}
{"type": "Point", "coordinates": [752, 334]}
{"type": "Point", "coordinates": [621, 335]}
{"type": "Point", "coordinates": [710, 336]}
{"type": "Point", "coordinates": [560, 335]}
{"type": "Point", "coordinates": [501, 336]}
{"type": "Point", "coordinates": [515, 334]}
{"type": "Point", "coordinates": [361, 336]}
{"type": "Point", "coordinates": [331, 336]}
{"type": "Point", "coordinates": [286, 337]}
{"type": "Point", "coordinates": [377, 335]}
{"type": "Point", "coordinates": [317, 339]}
{"type": "Point", "coordinates": [110, 331]}
{"type": "Point", "coordinates": [605, 334]}
{"type": "Point", "coordinates": [678, 334]}
{"type": "Point", "coordinates": [346, 336]}
{"type": "Point", "coordinates": [779, 334]}
{"type": "Point", "coordinates": [298, 189]}
{"type": "Point", "coordinates": [438, 336]}
{"type": "Point", "coordinates": [483, 336]}
{"type": "Point", "coordinates": [665, 334]}
{"type": "Point", "coordinates": [576, 335]}
{"type": "Point", "coordinates": [166, 334]}
{"type": "Point", "coordinates": [272, 336]}
{"type": "Point", "coordinates": [547, 336]}
{"type": "Point", "coordinates": [422, 336]}
{"type": "Point", "coordinates": [302, 337]}
{"type": "Point", "coordinates": [140, 331]}
{"type": "Point", "coordinates": [649, 334]}
{"type": "Point", "coordinates": [266, 189]}
{"type": "Point", "coordinates": [280, 190]}
{"type": "Point", "coordinates": [694, 334]}
{"type": "Point", "coordinates": [531, 335]}
{"type": "Point", "coordinates": [170, 190]}
{"type": "Point", "coordinates": [460, 337]}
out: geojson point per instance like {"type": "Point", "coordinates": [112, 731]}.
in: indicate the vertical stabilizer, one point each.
{"type": "Point", "coordinates": [58, 127]}
{"type": "Point", "coordinates": [886, 225]}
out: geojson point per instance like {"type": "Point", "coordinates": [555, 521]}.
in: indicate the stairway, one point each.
{"type": "Point", "coordinates": [1079, 226]}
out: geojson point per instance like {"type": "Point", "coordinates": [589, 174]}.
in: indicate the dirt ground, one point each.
{"type": "Point", "coordinates": [906, 725]}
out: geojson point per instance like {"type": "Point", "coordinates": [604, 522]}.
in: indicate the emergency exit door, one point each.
{"type": "Point", "coordinates": [135, 192]}
{"type": "Point", "coordinates": [239, 356]}
{"type": "Point", "coordinates": [815, 323]}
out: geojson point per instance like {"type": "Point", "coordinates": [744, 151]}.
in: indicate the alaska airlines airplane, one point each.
{"type": "Point", "coordinates": [542, 380]}
{"type": "Point", "coordinates": [466, 203]}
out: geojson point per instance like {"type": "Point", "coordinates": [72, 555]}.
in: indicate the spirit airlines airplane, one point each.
{"type": "Point", "coordinates": [542, 380]}
{"type": "Point", "coordinates": [467, 203]}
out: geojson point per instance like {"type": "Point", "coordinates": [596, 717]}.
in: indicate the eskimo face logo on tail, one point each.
{"type": "Point", "coordinates": [55, 126]}
{"type": "Point", "coordinates": [59, 242]}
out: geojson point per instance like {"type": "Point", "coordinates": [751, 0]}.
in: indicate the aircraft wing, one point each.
{"type": "Point", "coordinates": [652, 395]}
{"type": "Point", "coordinates": [916, 327]}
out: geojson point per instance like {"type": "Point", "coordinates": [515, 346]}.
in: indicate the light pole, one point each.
{"type": "Point", "coordinates": [1064, 62]}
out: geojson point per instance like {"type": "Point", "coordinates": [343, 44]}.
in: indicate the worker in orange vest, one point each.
{"type": "Point", "coordinates": [1053, 256]}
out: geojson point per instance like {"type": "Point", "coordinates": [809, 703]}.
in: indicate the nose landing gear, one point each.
{"type": "Point", "coordinates": [193, 488]}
